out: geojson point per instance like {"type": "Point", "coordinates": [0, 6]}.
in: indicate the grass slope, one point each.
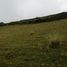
{"type": "Point", "coordinates": [29, 45]}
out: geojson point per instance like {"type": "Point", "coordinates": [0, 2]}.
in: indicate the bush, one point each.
{"type": "Point", "coordinates": [2, 24]}
{"type": "Point", "coordinates": [54, 44]}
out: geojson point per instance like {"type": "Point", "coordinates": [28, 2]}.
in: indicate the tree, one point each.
{"type": "Point", "coordinates": [2, 24]}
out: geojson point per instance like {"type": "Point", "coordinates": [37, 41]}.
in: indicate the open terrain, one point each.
{"type": "Point", "coordinates": [34, 45]}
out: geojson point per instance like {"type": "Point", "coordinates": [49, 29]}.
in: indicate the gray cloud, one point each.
{"type": "Point", "coordinates": [11, 10]}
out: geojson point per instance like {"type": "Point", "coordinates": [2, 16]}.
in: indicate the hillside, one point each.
{"type": "Point", "coordinates": [43, 19]}
{"type": "Point", "coordinates": [34, 45]}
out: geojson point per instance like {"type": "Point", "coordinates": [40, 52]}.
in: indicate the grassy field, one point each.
{"type": "Point", "coordinates": [34, 45]}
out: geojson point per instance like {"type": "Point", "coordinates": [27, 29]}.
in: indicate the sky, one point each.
{"type": "Point", "coordinates": [13, 10]}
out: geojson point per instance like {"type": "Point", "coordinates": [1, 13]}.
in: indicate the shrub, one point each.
{"type": "Point", "coordinates": [2, 24]}
{"type": "Point", "coordinates": [54, 44]}
{"type": "Point", "coordinates": [54, 40]}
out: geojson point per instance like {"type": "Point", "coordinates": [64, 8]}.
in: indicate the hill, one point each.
{"type": "Point", "coordinates": [49, 18]}
{"type": "Point", "coordinates": [34, 45]}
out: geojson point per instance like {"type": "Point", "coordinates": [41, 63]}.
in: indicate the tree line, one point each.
{"type": "Point", "coordinates": [38, 19]}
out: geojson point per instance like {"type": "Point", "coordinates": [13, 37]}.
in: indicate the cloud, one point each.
{"type": "Point", "coordinates": [63, 4]}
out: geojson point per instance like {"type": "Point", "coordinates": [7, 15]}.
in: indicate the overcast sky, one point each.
{"type": "Point", "coordinates": [12, 10]}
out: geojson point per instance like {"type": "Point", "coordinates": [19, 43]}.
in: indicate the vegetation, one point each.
{"type": "Point", "coordinates": [49, 18]}
{"type": "Point", "coordinates": [34, 45]}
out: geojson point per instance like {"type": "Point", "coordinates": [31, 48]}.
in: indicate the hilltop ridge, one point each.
{"type": "Point", "coordinates": [49, 18]}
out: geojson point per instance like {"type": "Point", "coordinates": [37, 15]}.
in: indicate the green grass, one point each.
{"type": "Point", "coordinates": [29, 45]}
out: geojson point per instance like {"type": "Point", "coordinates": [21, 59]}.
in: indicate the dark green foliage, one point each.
{"type": "Point", "coordinates": [38, 19]}
{"type": "Point", "coordinates": [2, 24]}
